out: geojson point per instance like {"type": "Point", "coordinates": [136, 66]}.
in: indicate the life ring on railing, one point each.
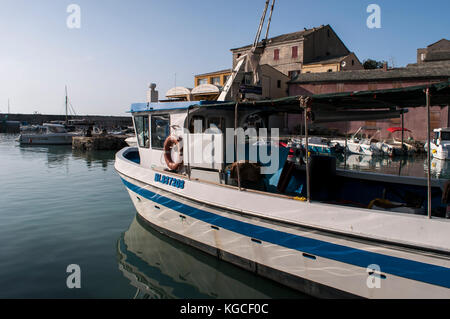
{"type": "Point", "coordinates": [169, 144]}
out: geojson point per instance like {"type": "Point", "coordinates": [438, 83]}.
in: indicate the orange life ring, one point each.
{"type": "Point", "coordinates": [169, 143]}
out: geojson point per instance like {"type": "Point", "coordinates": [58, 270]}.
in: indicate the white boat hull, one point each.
{"type": "Point", "coordinates": [46, 139]}
{"type": "Point", "coordinates": [439, 152]}
{"type": "Point", "coordinates": [315, 261]}
{"type": "Point", "coordinates": [362, 149]}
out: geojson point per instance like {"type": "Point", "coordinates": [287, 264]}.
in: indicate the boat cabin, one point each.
{"type": "Point", "coordinates": [50, 128]}
{"type": "Point", "coordinates": [245, 145]}
{"type": "Point", "coordinates": [197, 139]}
{"type": "Point", "coordinates": [441, 135]}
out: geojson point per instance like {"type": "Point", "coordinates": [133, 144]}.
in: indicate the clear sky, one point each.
{"type": "Point", "coordinates": [124, 45]}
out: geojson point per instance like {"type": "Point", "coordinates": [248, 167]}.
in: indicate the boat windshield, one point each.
{"type": "Point", "coordinates": [445, 136]}
{"type": "Point", "coordinates": [56, 129]}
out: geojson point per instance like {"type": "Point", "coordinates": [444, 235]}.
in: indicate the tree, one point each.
{"type": "Point", "coordinates": [370, 64]}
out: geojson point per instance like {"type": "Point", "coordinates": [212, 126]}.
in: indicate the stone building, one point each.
{"type": "Point", "coordinates": [438, 51]}
{"type": "Point", "coordinates": [289, 53]}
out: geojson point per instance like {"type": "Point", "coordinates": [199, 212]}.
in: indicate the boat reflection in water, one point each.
{"type": "Point", "coordinates": [161, 267]}
{"type": "Point", "coordinates": [439, 168]}
{"type": "Point", "coordinates": [63, 154]}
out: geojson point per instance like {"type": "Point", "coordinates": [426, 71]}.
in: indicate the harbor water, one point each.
{"type": "Point", "coordinates": [60, 207]}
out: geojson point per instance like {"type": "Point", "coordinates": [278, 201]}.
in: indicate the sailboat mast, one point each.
{"type": "Point", "coordinates": [67, 122]}
{"type": "Point", "coordinates": [8, 106]}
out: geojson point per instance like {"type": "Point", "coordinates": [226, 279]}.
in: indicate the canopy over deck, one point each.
{"type": "Point", "coordinates": [348, 106]}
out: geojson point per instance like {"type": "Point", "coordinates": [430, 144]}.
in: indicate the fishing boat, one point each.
{"type": "Point", "coordinates": [47, 134]}
{"type": "Point", "coordinates": [324, 231]}
{"type": "Point", "coordinates": [440, 145]}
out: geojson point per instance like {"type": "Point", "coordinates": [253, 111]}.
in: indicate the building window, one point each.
{"type": "Point", "coordinates": [294, 52]}
{"type": "Point", "coordinates": [225, 79]}
{"type": "Point", "coordinates": [215, 80]}
{"type": "Point", "coordinates": [202, 81]}
{"type": "Point", "coordinates": [422, 56]}
{"type": "Point", "coordinates": [328, 31]}
{"type": "Point", "coordinates": [276, 54]}
{"type": "Point", "coordinates": [142, 132]}
{"type": "Point", "coordinates": [279, 84]}
{"type": "Point", "coordinates": [353, 62]}
{"type": "Point", "coordinates": [160, 127]}
{"type": "Point", "coordinates": [330, 70]}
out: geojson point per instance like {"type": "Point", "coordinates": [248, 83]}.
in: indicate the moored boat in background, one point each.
{"type": "Point", "coordinates": [47, 134]}
{"type": "Point", "coordinates": [440, 145]}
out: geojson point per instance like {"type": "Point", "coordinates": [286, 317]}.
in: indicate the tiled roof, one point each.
{"type": "Point", "coordinates": [286, 37]}
{"type": "Point", "coordinates": [211, 73]}
{"type": "Point", "coordinates": [371, 75]}
{"type": "Point", "coordinates": [328, 60]}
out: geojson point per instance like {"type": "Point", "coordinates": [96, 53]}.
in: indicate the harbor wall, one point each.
{"type": "Point", "coordinates": [99, 120]}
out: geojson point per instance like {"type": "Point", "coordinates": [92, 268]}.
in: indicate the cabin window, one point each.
{"type": "Point", "coordinates": [197, 124]}
{"type": "Point", "coordinates": [160, 126]}
{"type": "Point", "coordinates": [142, 132]}
{"type": "Point", "coordinates": [445, 136]}
{"type": "Point", "coordinates": [215, 124]}
{"type": "Point", "coordinates": [56, 129]}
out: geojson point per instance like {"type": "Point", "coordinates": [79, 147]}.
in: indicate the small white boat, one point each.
{"type": "Point", "coordinates": [440, 145]}
{"type": "Point", "coordinates": [320, 145]}
{"type": "Point", "coordinates": [48, 134]}
{"type": "Point", "coordinates": [364, 145]}
{"type": "Point", "coordinates": [394, 146]}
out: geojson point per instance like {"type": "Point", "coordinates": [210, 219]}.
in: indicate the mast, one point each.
{"type": "Point", "coordinates": [67, 122]}
{"type": "Point", "coordinates": [8, 106]}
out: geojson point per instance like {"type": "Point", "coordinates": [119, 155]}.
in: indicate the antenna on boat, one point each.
{"type": "Point", "coordinates": [261, 23]}
{"type": "Point", "coordinates": [254, 53]}
{"type": "Point", "coordinates": [8, 106]}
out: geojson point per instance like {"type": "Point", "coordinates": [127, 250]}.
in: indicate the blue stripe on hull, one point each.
{"type": "Point", "coordinates": [428, 273]}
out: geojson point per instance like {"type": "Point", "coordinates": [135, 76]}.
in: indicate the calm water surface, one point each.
{"type": "Point", "coordinates": [60, 207]}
